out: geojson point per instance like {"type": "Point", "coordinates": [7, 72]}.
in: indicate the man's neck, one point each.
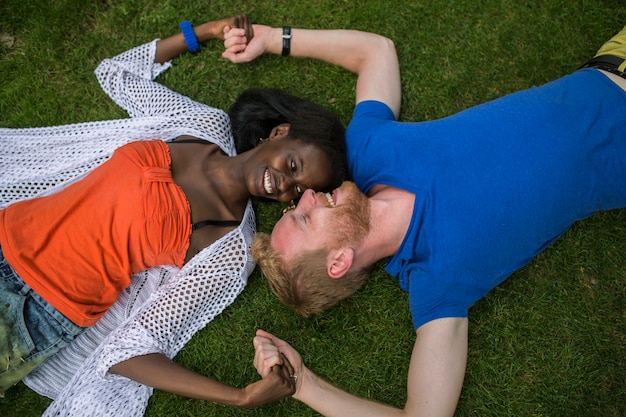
{"type": "Point", "coordinates": [391, 213]}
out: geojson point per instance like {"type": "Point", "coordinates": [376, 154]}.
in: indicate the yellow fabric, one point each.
{"type": "Point", "coordinates": [616, 46]}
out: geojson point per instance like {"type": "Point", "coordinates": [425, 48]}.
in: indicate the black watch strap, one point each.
{"type": "Point", "coordinates": [286, 40]}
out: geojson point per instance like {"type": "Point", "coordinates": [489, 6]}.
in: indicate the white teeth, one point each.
{"type": "Point", "coordinates": [267, 184]}
{"type": "Point", "coordinates": [329, 197]}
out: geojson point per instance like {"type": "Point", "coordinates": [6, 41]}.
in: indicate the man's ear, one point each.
{"type": "Point", "coordinates": [280, 130]}
{"type": "Point", "coordinates": [339, 261]}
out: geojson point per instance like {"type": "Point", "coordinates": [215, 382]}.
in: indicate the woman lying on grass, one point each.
{"type": "Point", "coordinates": [123, 238]}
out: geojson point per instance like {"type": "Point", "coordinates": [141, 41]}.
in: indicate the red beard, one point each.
{"type": "Point", "coordinates": [351, 219]}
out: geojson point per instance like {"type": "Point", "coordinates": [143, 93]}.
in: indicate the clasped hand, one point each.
{"type": "Point", "coordinates": [240, 47]}
{"type": "Point", "coordinates": [271, 351]}
{"type": "Point", "coordinates": [277, 383]}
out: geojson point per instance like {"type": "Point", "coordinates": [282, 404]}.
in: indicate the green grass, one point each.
{"type": "Point", "coordinates": [550, 341]}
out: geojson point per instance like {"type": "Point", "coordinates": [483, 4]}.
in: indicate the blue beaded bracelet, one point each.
{"type": "Point", "coordinates": [190, 37]}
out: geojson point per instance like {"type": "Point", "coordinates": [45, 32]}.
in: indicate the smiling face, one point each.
{"type": "Point", "coordinates": [283, 168]}
{"type": "Point", "coordinates": [323, 220]}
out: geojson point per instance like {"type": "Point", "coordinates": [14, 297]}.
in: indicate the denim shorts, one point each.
{"type": "Point", "coordinates": [31, 330]}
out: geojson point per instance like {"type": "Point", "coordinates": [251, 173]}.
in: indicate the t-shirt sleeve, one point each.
{"type": "Point", "coordinates": [428, 303]}
{"type": "Point", "coordinates": [367, 113]}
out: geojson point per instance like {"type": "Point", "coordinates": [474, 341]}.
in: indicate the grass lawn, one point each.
{"type": "Point", "coordinates": [550, 341]}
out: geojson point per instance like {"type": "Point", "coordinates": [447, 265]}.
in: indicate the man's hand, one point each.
{"type": "Point", "coordinates": [240, 47]}
{"type": "Point", "coordinates": [271, 351]}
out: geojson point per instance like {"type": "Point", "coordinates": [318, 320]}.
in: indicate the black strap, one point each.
{"type": "Point", "coordinates": [222, 223]}
{"type": "Point", "coordinates": [286, 41]}
{"type": "Point", "coordinates": [201, 141]}
{"type": "Point", "coordinates": [608, 60]}
{"type": "Point", "coordinates": [608, 63]}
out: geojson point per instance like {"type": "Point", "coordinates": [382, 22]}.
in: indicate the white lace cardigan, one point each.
{"type": "Point", "coordinates": [163, 307]}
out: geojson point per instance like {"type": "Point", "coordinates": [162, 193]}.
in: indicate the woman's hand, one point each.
{"type": "Point", "coordinates": [220, 27]}
{"type": "Point", "coordinates": [171, 47]}
{"type": "Point", "coordinates": [276, 385]}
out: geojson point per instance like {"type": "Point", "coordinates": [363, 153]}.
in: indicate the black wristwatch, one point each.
{"type": "Point", "coordinates": [286, 40]}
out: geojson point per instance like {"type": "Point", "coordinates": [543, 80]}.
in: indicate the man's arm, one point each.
{"type": "Point", "coordinates": [437, 368]}
{"type": "Point", "coordinates": [434, 384]}
{"type": "Point", "coordinates": [372, 57]}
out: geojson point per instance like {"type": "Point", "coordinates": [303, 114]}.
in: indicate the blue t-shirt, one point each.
{"type": "Point", "coordinates": [494, 185]}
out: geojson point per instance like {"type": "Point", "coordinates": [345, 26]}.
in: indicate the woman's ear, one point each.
{"type": "Point", "coordinates": [280, 130]}
{"type": "Point", "coordinates": [339, 261]}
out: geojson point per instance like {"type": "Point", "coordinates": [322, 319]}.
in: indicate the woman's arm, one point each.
{"type": "Point", "coordinates": [372, 57]}
{"type": "Point", "coordinates": [128, 78]}
{"type": "Point", "coordinates": [142, 348]}
{"type": "Point", "coordinates": [157, 371]}
{"type": "Point", "coordinates": [170, 48]}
